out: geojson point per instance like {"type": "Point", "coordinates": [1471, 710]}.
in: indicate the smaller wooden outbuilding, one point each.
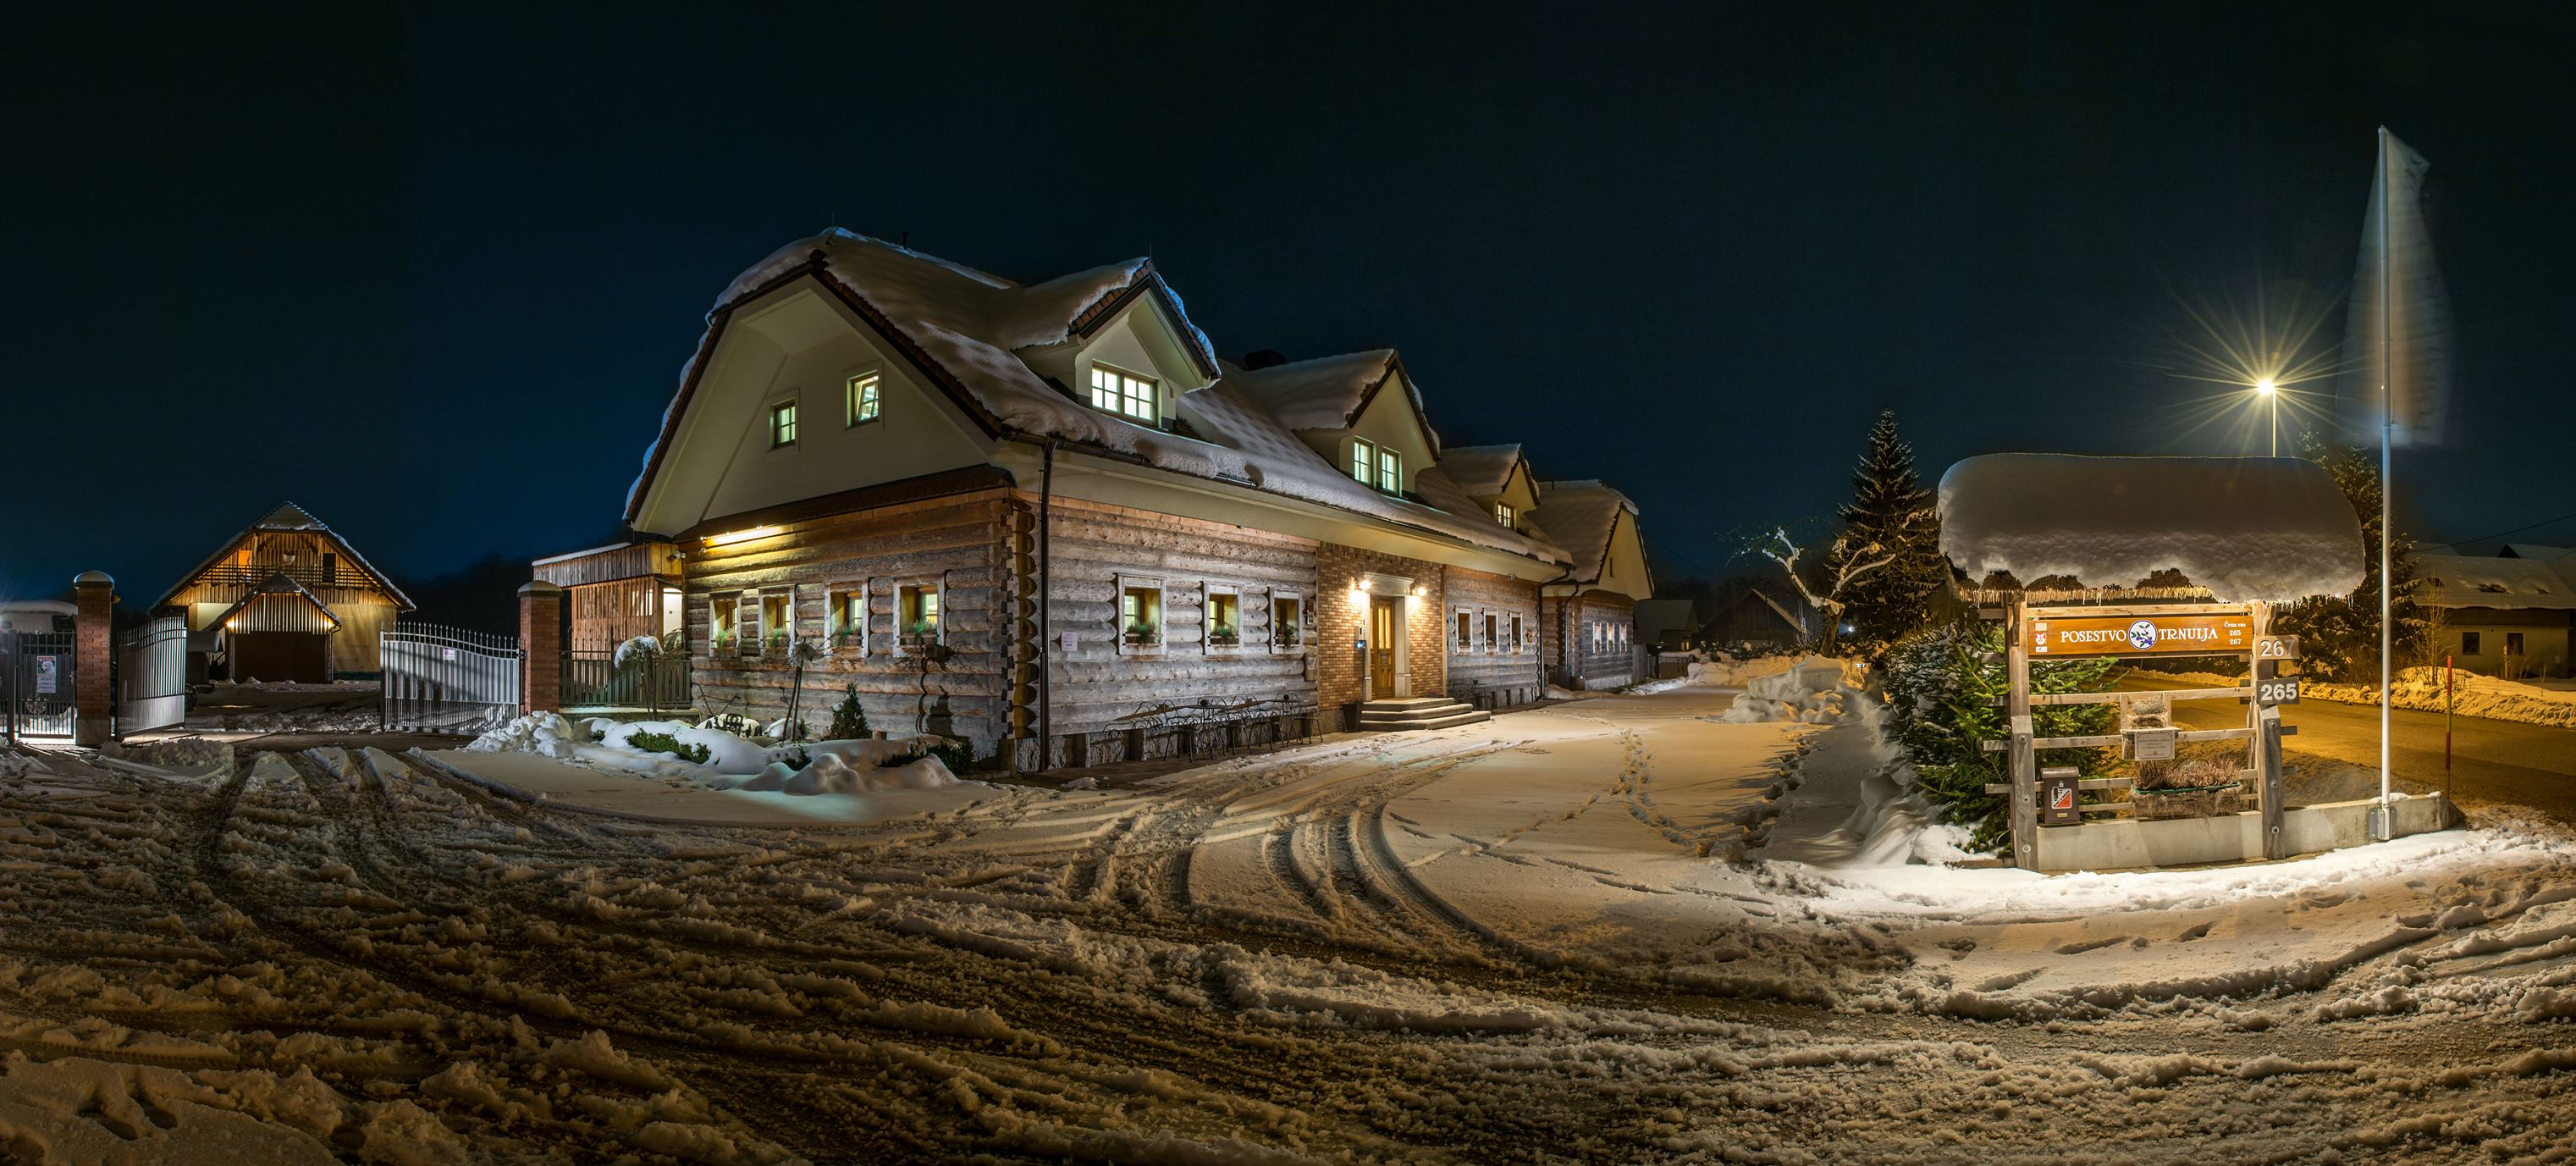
{"type": "Point", "coordinates": [287, 599]}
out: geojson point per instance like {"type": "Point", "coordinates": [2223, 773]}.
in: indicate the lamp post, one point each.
{"type": "Point", "coordinates": [2272, 392]}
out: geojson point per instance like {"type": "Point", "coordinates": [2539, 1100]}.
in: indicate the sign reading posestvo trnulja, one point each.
{"type": "Point", "coordinates": [2145, 635]}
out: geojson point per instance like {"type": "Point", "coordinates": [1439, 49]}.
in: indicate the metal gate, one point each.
{"type": "Point", "coordinates": [36, 681]}
{"type": "Point", "coordinates": [152, 675]}
{"type": "Point", "coordinates": [448, 680]}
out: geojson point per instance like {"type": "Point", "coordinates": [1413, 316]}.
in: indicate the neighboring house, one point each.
{"type": "Point", "coordinates": [1015, 511]}
{"type": "Point", "coordinates": [1588, 618]}
{"type": "Point", "coordinates": [2507, 615]}
{"type": "Point", "coordinates": [1755, 618]}
{"type": "Point", "coordinates": [287, 599]}
{"type": "Point", "coordinates": [1667, 625]}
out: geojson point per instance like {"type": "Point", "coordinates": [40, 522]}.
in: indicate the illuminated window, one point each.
{"type": "Point", "coordinates": [916, 613]}
{"type": "Point", "coordinates": [782, 425]}
{"type": "Point", "coordinates": [1516, 635]}
{"type": "Point", "coordinates": [1503, 513]}
{"type": "Point", "coordinates": [1287, 622]}
{"type": "Point", "coordinates": [723, 623]}
{"type": "Point", "coordinates": [1140, 614]}
{"type": "Point", "coordinates": [1390, 471]}
{"type": "Point", "coordinates": [1466, 623]}
{"type": "Point", "coordinates": [1224, 620]}
{"type": "Point", "coordinates": [1489, 632]}
{"type": "Point", "coordinates": [848, 617]}
{"type": "Point", "coordinates": [1363, 461]}
{"type": "Point", "coordinates": [777, 620]}
{"type": "Point", "coordinates": [862, 399]}
{"type": "Point", "coordinates": [1113, 391]}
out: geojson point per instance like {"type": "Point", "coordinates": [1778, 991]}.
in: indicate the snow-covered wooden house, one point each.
{"type": "Point", "coordinates": [1588, 617]}
{"type": "Point", "coordinates": [1048, 512]}
{"type": "Point", "coordinates": [287, 599]}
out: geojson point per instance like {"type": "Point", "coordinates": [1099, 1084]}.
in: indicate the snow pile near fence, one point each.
{"type": "Point", "coordinates": [2244, 528]}
{"type": "Point", "coordinates": [2472, 695]}
{"type": "Point", "coordinates": [1814, 690]}
{"type": "Point", "coordinates": [1725, 671]}
{"type": "Point", "coordinates": [733, 761]}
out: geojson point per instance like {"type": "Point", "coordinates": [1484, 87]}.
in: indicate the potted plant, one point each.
{"type": "Point", "coordinates": [1139, 635]}
{"type": "Point", "coordinates": [919, 632]}
{"type": "Point", "coordinates": [1225, 634]}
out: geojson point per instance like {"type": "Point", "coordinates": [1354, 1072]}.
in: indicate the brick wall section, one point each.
{"type": "Point", "coordinates": [540, 648]}
{"type": "Point", "coordinates": [93, 697]}
{"type": "Point", "coordinates": [1507, 677]}
{"type": "Point", "coordinates": [1338, 624]}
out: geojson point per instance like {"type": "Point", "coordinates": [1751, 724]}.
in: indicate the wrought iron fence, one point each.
{"type": "Point", "coordinates": [36, 680]}
{"type": "Point", "coordinates": [152, 675]}
{"type": "Point", "coordinates": [442, 679]}
{"type": "Point", "coordinates": [592, 679]}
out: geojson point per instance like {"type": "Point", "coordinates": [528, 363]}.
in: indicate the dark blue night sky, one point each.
{"type": "Point", "coordinates": [433, 272]}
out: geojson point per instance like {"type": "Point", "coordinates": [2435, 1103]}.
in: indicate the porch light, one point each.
{"type": "Point", "coordinates": [735, 536]}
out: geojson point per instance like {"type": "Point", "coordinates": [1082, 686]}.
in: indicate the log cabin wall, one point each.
{"type": "Point", "coordinates": [953, 547]}
{"type": "Point", "coordinates": [1589, 639]}
{"type": "Point", "coordinates": [1492, 670]}
{"type": "Point", "coordinates": [1105, 685]}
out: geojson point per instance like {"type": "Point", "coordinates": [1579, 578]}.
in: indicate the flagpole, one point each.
{"type": "Point", "coordinates": [2387, 423]}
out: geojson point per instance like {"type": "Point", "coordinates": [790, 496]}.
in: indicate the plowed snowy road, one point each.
{"type": "Point", "coordinates": [1549, 938]}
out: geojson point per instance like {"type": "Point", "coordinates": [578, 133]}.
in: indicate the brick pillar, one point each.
{"type": "Point", "coordinates": [93, 641]}
{"type": "Point", "coordinates": [540, 647]}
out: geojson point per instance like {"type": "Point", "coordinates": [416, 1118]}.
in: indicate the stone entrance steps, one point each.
{"type": "Point", "coordinates": [1420, 712]}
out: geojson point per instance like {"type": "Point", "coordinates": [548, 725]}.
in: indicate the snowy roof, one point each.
{"type": "Point", "coordinates": [289, 517]}
{"type": "Point", "coordinates": [1482, 470]}
{"type": "Point", "coordinates": [1580, 516]}
{"type": "Point", "coordinates": [2546, 554]}
{"type": "Point", "coordinates": [965, 329]}
{"type": "Point", "coordinates": [2238, 528]}
{"type": "Point", "coordinates": [1323, 393]}
{"type": "Point", "coordinates": [2487, 581]}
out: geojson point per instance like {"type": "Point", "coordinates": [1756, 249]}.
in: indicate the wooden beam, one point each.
{"type": "Point", "coordinates": [2058, 698]}
{"type": "Point", "coordinates": [2137, 609]}
{"type": "Point", "coordinates": [2108, 740]}
{"type": "Point", "coordinates": [2024, 762]}
{"type": "Point", "coordinates": [2268, 748]}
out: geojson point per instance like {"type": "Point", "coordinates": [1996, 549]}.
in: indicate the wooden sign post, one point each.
{"type": "Point", "coordinates": [2197, 629]}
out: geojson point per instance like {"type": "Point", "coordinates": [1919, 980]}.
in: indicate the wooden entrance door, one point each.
{"type": "Point", "coordinates": [1384, 627]}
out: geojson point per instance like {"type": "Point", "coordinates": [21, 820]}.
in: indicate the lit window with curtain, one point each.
{"type": "Point", "coordinates": [1363, 461]}
{"type": "Point", "coordinates": [1390, 471]}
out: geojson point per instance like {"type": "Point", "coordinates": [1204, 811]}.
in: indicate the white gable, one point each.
{"type": "Point", "coordinates": [802, 347]}
{"type": "Point", "coordinates": [1139, 340]}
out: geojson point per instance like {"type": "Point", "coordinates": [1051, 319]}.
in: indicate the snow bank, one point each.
{"type": "Point", "coordinates": [2472, 695]}
{"type": "Point", "coordinates": [1813, 690]}
{"type": "Point", "coordinates": [733, 761]}
{"type": "Point", "coordinates": [2244, 528]}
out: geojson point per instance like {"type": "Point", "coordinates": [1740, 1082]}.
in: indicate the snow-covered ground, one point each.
{"type": "Point", "coordinates": [1622, 929]}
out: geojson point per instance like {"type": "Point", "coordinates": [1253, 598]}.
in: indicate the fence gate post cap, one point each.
{"type": "Point", "coordinates": [92, 579]}
{"type": "Point", "coordinates": [540, 587]}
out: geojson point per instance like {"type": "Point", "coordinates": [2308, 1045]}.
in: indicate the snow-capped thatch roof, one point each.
{"type": "Point", "coordinates": [2455, 581]}
{"type": "Point", "coordinates": [1581, 516]}
{"type": "Point", "coordinates": [2063, 526]}
{"type": "Point", "coordinates": [1323, 393]}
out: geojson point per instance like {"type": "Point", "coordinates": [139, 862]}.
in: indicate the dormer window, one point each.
{"type": "Point", "coordinates": [1363, 462]}
{"type": "Point", "coordinates": [1503, 513]}
{"type": "Point", "coordinates": [782, 425]}
{"type": "Point", "coordinates": [1390, 471]}
{"type": "Point", "coordinates": [1125, 394]}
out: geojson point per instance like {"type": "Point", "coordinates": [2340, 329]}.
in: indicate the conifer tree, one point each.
{"type": "Point", "coordinates": [1891, 518]}
{"type": "Point", "coordinates": [2339, 634]}
{"type": "Point", "coordinates": [850, 720]}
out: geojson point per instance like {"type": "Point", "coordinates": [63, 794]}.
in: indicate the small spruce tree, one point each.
{"type": "Point", "coordinates": [850, 720]}
{"type": "Point", "coordinates": [1891, 517]}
